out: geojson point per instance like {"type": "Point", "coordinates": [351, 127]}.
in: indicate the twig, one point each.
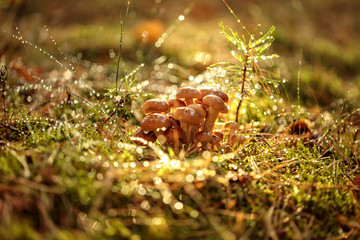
{"type": "Point", "coordinates": [113, 113]}
{"type": "Point", "coordinates": [3, 80]}
{"type": "Point", "coordinates": [242, 88]}
{"type": "Point", "coordinates": [11, 128]}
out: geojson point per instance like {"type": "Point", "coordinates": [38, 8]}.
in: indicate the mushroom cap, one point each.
{"type": "Point", "coordinates": [148, 136]}
{"type": "Point", "coordinates": [155, 106]}
{"type": "Point", "coordinates": [203, 137]}
{"type": "Point", "coordinates": [216, 103]}
{"type": "Point", "coordinates": [220, 135]}
{"type": "Point", "coordinates": [232, 125]}
{"type": "Point", "coordinates": [188, 92]}
{"type": "Point", "coordinates": [187, 115]}
{"type": "Point", "coordinates": [154, 121]}
{"type": "Point", "coordinates": [215, 140]}
{"type": "Point", "coordinates": [237, 139]}
{"type": "Point", "coordinates": [213, 91]}
{"type": "Point", "coordinates": [199, 108]}
{"type": "Point", "coordinates": [175, 103]}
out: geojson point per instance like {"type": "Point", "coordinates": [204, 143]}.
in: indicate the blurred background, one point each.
{"type": "Point", "coordinates": [317, 41]}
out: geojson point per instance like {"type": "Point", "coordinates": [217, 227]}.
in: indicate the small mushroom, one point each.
{"type": "Point", "coordinates": [215, 142]}
{"type": "Point", "coordinates": [145, 136]}
{"type": "Point", "coordinates": [175, 103]}
{"type": "Point", "coordinates": [173, 138]}
{"type": "Point", "coordinates": [213, 91]}
{"type": "Point", "coordinates": [236, 140]}
{"type": "Point", "coordinates": [203, 113]}
{"type": "Point", "coordinates": [233, 127]}
{"type": "Point", "coordinates": [155, 122]}
{"type": "Point", "coordinates": [188, 93]}
{"type": "Point", "coordinates": [220, 135]}
{"type": "Point", "coordinates": [203, 137]}
{"type": "Point", "coordinates": [155, 106]}
{"type": "Point", "coordinates": [216, 106]}
{"type": "Point", "coordinates": [187, 116]}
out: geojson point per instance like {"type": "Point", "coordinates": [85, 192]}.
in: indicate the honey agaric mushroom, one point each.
{"type": "Point", "coordinates": [220, 135]}
{"type": "Point", "coordinates": [155, 106]}
{"type": "Point", "coordinates": [203, 113]}
{"type": "Point", "coordinates": [142, 137]}
{"type": "Point", "coordinates": [187, 116]}
{"type": "Point", "coordinates": [173, 137]}
{"type": "Point", "coordinates": [188, 93]}
{"type": "Point", "coordinates": [203, 137]}
{"type": "Point", "coordinates": [155, 122]}
{"type": "Point", "coordinates": [236, 139]}
{"type": "Point", "coordinates": [213, 91]}
{"type": "Point", "coordinates": [199, 108]}
{"type": "Point", "coordinates": [175, 103]}
{"type": "Point", "coordinates": [233, 127]}
{"type": "Point", "coordinates": [215, 141]}
{"type": "Point", "coordinates": [216, 106]}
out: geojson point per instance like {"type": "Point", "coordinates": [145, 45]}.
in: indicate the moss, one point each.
{"type": "Point", "coordinates": [71, 170]}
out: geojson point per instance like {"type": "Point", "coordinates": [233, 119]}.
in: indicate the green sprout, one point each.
{"type": "Point", "coordinates": [249, 50]}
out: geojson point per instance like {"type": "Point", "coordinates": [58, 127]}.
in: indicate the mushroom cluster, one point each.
{"type": "Point", "coordinates": [188, 119]}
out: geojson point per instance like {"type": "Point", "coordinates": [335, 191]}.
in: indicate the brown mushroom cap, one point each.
{"type": "Point", "coordinates": [175, 103]}
{"type": "Point", "coordinates": [215, 140]}
{"type": "Point", "coordinates": [216, 103]}
{"type": "Point", "coordinates": [232, 125]}
{"type": "Point", "coordinates": [203, 137]}
{"type": "Point", "coordinates": [199, 108]}
{"type": "Point", "coordinates": [155, 106]}
{"type": "Point", "coordinates": [187, 115]}
{"type": "Point", "coordinates": [147, 136]}
{"type": "Point", "coordinates": [188, 93]}
{"type": "Point", "coordinates": [236, 139]}
{"type": "Point", "coordinates": [220, 135]}
{"type": "Point", "coordinates": [213, 91]}
{"type": "Point", "coordinates": [154, 121]}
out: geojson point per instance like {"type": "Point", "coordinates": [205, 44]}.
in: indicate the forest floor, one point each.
{"type": "Point", "coordinates": [69, 108]}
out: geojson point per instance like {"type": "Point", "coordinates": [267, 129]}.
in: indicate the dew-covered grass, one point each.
{"type": "Point", "coordinates": [71, 170]}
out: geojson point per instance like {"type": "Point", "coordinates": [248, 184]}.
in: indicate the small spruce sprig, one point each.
{"type": "Point", "coordinates": [249, 50]}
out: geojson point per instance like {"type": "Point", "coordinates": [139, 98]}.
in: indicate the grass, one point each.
{"type": "Point", "coordinates": [71, 171]}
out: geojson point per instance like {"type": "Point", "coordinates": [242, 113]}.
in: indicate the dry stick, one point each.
{"type": "Point", "coordinates": [354, 146]}
{"type": "Point", "coordinates": [3, 80]}
{"type": "Point", "coordinates": [10, 127]}
{"type": "Point", "coordinates": [113, 113]}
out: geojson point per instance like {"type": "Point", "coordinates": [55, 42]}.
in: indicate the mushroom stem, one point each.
{"type": "Point", "coordinates": [210, 120]}
{"type": "Point", "coordinates": [185, 127]}
{"type": "Point", "coordinates": [176, 143]}
{"type": "Point", "coordinates": [172, 136]}
{"type": "Point", "coordinates": [216, 106]}
{"type": "Point", "coordinates": [188, 101]}
{"type": "Point", "coordinates": [160, 136]}
{"type": "Point", "coordinates": [193, 130]}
